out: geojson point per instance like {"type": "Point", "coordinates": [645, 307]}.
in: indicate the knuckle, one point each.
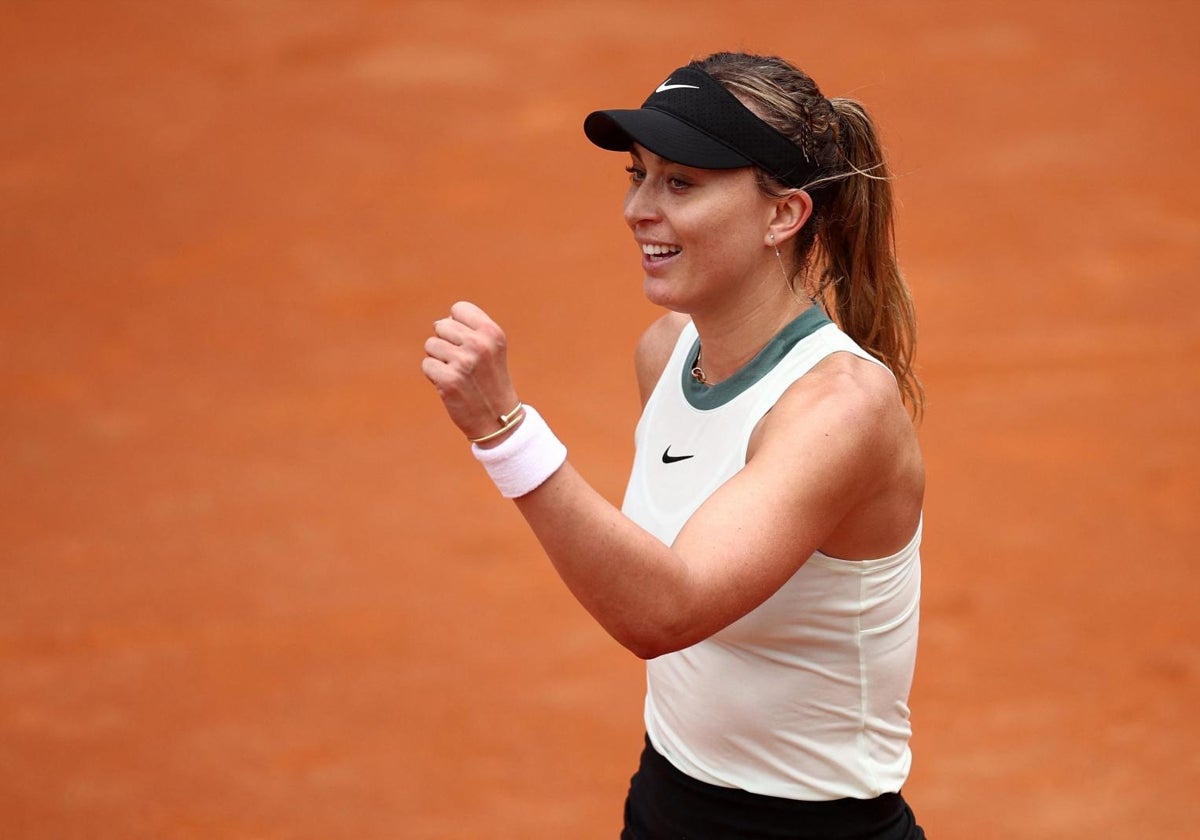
{"type": "Point", "coordinates": [495, 335]}
{"type": "Point", "coordinates": [449, 387]}
{"type": "Point", "coordinates": [492, 336]}
{"type": "Point", "coordinates": [475, 343]}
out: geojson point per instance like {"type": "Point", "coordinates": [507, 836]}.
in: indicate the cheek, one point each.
{"type": "Point", "coordinates": [731, 237]}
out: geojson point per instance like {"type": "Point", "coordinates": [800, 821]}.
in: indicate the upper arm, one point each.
{"type": "Point", "coordinates": [826, 446]}
{"type": "Point", "coordinates": [654, 350]}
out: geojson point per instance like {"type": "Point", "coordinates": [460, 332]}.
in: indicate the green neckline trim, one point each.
{"type": "Point", "coordinates": [707, 397]}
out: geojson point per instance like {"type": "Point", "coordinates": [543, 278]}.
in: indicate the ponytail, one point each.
{"type": "Point", "coordinates": [860, 282]}
{"type": "Point", "coordinates": [848, 249]}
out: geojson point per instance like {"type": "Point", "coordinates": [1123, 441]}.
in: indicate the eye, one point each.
{"type": "Point", "coordinates": [678, 183]}
{"type": "Point", "coordinates": [636, 174]}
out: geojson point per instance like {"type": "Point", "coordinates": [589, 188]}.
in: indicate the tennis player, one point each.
{"type": "Point", "coordinates": [766, 560]}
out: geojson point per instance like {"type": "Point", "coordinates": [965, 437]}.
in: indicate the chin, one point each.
{"type": "Point", "coordinates": [660, 293]}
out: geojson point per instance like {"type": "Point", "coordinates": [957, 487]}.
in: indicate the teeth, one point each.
{"type": "Point", "coordinates": [659, 250]}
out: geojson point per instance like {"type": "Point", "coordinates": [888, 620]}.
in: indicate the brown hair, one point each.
{"type": "Point", "coordinates": [849, 244]}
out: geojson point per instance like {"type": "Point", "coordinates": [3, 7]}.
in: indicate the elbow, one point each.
{"type": "Point", "coordinates": [647, 650]}
{"type": "Point", "coordinates": [651, 643]}
{"type": "Point", "coordinates": [670, 621]}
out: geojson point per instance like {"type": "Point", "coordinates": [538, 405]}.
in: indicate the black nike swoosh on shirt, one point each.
{"type": "Point", "coordinates": [668, 458]}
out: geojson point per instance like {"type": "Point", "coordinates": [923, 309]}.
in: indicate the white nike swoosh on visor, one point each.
{"type": "Point", "coordinates": [666, 86]}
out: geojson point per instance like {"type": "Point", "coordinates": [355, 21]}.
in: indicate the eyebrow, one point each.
{"type": "Point", "coordinates": [637, 155]}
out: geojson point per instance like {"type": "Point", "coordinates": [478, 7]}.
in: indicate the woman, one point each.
{"type": "Point", "coordinates": [766, 558]}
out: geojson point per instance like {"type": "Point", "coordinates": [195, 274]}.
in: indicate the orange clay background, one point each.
{"type": "Point", "coordinates": [252, 584]}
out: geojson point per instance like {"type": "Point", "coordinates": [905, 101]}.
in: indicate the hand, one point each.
{"type": "Point", "coordinates": [466, 360]}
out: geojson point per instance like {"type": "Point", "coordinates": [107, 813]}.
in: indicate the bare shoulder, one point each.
{"type": "Point", "coordinates": [847, 415]}
{"type": "Point", "coordinates": [855, 389]}
{"type": "Point", "coordinates": [654, 349]}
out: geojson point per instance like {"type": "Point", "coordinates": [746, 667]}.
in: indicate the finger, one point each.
{"type": "Point", "coordinates": [451, 330]}
{"type": "Point", "coordinates": [482, 334]}
{"type": "Point", "coordinates": [449, 380]}
{"type": "Point", "coordinates": [468, 313]}
{"type": "Point", "coordinates": [435, 370]}
{"type": "Point", "coordinates": [445, 351]}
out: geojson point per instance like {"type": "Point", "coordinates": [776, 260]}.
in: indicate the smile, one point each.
{"type": "Point", "coordinates": [659, 252]}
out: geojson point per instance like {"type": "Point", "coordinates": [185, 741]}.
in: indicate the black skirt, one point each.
{"type": "Point", "coordinates": [665, 804]}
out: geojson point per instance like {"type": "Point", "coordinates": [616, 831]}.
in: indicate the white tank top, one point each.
{"type": "Point", "coordinates": [806, 696]}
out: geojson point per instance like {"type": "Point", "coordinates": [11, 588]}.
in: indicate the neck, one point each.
{"type": "Point", "coordinates": [731, 339]}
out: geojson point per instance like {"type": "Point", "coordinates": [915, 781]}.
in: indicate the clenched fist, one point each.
{"type": "Point", "coordinates": [466, 360]}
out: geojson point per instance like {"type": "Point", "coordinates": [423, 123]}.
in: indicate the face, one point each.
{"type": "Point", "coordinates": [701, 231]}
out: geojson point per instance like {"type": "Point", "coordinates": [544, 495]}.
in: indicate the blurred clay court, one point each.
{"type": "Point", "coordinates": [252, 584]}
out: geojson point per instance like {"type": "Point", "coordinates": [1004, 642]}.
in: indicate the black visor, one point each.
{"type": "Point", "coordinates": [693, 120]}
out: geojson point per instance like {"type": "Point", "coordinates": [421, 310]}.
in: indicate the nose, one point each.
{"type": "Point", "coordinates": [640, 205]}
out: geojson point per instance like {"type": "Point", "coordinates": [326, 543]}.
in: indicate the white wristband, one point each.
{"type": "Point", "coordinates": [526, 459]}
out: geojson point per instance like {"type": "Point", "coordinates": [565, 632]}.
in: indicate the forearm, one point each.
{"type": "Point", "coordinates": [637, 588]}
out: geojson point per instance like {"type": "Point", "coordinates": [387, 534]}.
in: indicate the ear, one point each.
{"type": "Point", "coordinates": [787, 217]}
